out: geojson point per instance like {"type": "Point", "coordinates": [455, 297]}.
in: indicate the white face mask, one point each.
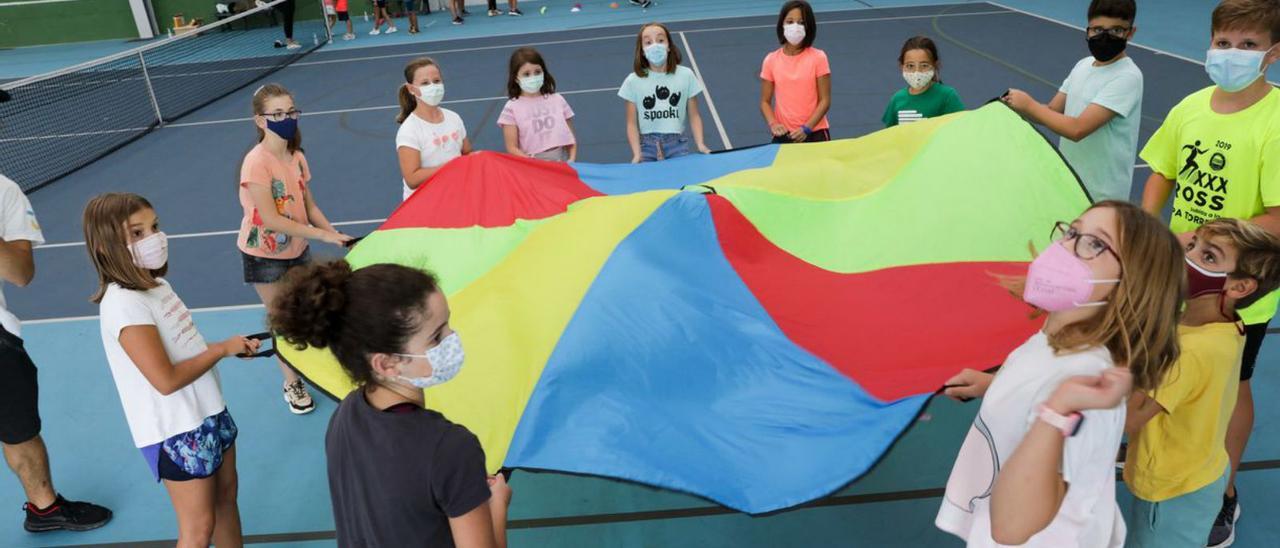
{"type": "Point", "coordinates": [656, 54]}
{"type": "Point", "coordinates": [531, 84]}
{"type": "Point", "coordinates": [794, 33]}
{"type": "Point", "coordinates": [446, 361]}
{"type": "Point", "coordinates": [151, 252]}
{"type": "Point", "coordinates": [432, 94]}
{"type": "Point", "coordinates": [917, 80]}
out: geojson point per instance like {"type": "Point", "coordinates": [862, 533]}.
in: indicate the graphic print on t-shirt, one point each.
{"type": "Point", "coordinates": [908, 116]}
{"type": "Point", "coordinates": [661, 104]}
{"type": "Point", "coordinates": [979, 452]}
{"type": "Point", "coordinates": [1201, 188]}
{"type": "Point", "coordinates": [268, 240]}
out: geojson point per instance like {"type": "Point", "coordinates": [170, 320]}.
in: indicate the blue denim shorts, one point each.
{"type": "Point", "coordinates": [195, 454]}
{"type": "Point", "coordinates": [663, 146]}
{"type": "Point", "coordinates": [260, 270]}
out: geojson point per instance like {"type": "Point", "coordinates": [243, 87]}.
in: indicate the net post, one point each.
{"type": "Point", "coordinates": [324, 16]}
{"type": "Point", "coordinates": [146, 78]}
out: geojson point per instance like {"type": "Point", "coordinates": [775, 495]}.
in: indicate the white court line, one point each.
{"type": "Point", "coordinates": [706, 92]}
{"type": "Point", "coordinates": [428, 51]}
{"type": "Point", "coordinates": [1081, 29]}
{"type": "Point", "coordinates": [207, 234]}
{"type": "Point", "coordinates": [193, 311]}
{"type": "Point", "coordinates": [33, 2]}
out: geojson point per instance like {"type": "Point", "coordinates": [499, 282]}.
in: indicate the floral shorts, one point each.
{"type": "Point", "coordinates": [195, 454]}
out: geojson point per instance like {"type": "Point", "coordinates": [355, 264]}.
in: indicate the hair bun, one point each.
{"type": "Point", "coordinates": [309, 308]}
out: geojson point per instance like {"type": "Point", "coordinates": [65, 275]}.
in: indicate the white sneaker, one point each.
{"type": "Point", "coordinates": [299, 400]}
{"type": "Point", "coordinates": [391, 30]}
{"type": "Point", "coordinates": [375, 32]}
{"type": "Point", "coordinates": [348, 36]}
{"type": "Point", "coordinates": [293, 45]}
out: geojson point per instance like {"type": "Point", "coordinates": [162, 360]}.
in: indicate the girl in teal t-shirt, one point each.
{"type": "Point", "coordinates": [925, 95]}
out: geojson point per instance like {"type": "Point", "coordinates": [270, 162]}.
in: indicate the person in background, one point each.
{"type": "Point", "coordinates": [24, 449]}
{"type": "Point", "coordinates": [660, 94]}
{"type": "Point", "coordinates": [1099, 106]}
{"type": "Point", "coordinates": [536, 121]}
{"type": "Point", "coordinates": [345, 16]}
{"type": "Point", "coordinates": [796, 78]}
{"type": "Point", "coordinates": [459, 10]}
{"type": "Point", "coordinates": [429, 135]}
{"type": "Point", "coordinates": [380, 16]}
{"type": "Point", "coordinates": [925, 95]}
{"type": "Point", "coordinates": [411, 9]}
{"type": "Point", "coordinates": [512, 8]}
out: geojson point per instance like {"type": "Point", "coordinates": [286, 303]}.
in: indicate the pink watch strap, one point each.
{"type": "Point", "coordinates": [1067, 424]}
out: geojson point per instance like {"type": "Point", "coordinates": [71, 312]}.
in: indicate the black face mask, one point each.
{"type": "Point", "coordinates": [1106, 47]}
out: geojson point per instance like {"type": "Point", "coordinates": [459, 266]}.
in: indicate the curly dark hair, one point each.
{"type": "Point", "coordinates": [376, 309]}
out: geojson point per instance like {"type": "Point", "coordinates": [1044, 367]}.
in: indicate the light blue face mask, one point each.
{"type": "Point", "coordinates": [531, 84]}
{"type": "Point", "coordinates": [1234, 69]}
{"type": "Point", "coordinates": [446, 361]}
{"type": "Point", "coordinates": [656, 54]}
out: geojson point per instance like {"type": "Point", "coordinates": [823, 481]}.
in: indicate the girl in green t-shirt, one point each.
{"type": "Point", "coordinates": [925, 95]}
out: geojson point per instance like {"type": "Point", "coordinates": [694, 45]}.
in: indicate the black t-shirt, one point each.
{"type": "Point", "coordinates": [397, 478]}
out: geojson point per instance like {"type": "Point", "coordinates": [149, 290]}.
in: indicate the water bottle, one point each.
{"type": "Point", "coordinates": [315, 40]}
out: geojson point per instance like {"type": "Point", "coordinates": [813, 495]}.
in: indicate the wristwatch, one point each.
{"type": "Point", "coordinates": [1068, 424]}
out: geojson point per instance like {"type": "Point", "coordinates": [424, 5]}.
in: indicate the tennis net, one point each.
{"type": "Point", "coordinates": [56, 123]}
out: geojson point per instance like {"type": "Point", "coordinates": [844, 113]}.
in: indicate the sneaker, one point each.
{"type": "Point", "coordinates": [515, 12]}
{"type": "Point", "coordinates": [390, 30]}
{"type": "Point", "coordinates": [300, 402]}
{"type": "Point", "coordinates": [293, 45]}
{"type": "Point", "coordinates": [68, 515]}
{"type": "Point", "coordinates": [457, 20]}
{"type": "Point", "coordinates": [348, 36]}
{"type": "Point", "coordinates": [414, 31]}
{"type": "Point", "coordinates": [494, 13]}
{"type": "Point", "coordinates": [375, 32]}
{"type": "Point", "coordinates": [1224, 528]}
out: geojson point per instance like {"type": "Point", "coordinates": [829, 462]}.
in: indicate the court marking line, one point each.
{"type": "Point", "coordinates": [706, 92]}
{"type": "Point", "coordinates": [206, 234]}
{"type": "Point", "coordinates": [1136, 44]}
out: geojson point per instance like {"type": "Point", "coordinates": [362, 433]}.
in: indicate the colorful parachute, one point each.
{"type": "Point", "coordinates": [755, 327]}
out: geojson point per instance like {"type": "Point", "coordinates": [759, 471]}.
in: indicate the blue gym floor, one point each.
{"type": "Point", "coordinates": [189, 169]}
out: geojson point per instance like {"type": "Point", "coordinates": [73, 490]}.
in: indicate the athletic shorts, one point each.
{"type": "Point", "coordinates": [344, 16]}
{"type": "Point", "coordinates": [196, 454]}
{"type": "Point", "coordinates": [1253, 337]}
{"type": "Point", "coordinates": [19, 393]}
{"type": "Point", "coordinates": [261, 270]}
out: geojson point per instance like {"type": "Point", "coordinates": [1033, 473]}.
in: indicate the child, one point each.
{"type": "Point", "coordinates": [345, 16]}
{"type": "Point", "coordinates": [536, 122]}
{"type": "Point", "coordinates": [331, 13]}
{"type": "Point", "coordinates": [459, 9]}
{"type": "Point", "coordinates": [925, 95]}
{"type": "Point", "coordinates": [411, 8]}
{"type": "Point", "coordinates": [1218, 152]}
{"type": "Point", "coordinates": [399, 474]}
{"type": "Point", "coordinates": [512, 9]}
{"type": "Point", "coordinates": [800, 76]}
{"type": "Point", "coordinates": [163, 369]}
{"type": "Point", "coordinates": [1099, 106]}
{"type": "Point", "coordinates": [660, 94]}
{"type": "Point", "coordinates": [280, 212]}
{"type": "Point", "coordinates": [1111, 285]}
{"type": "Point", "coordinates": [1177, 463]}
{"type": "Point", "coordinates": [23, 447]}
{"type": "Point", "coordinates": [381, 15]}
{"type": "Point", "coordinates": [429, 135]}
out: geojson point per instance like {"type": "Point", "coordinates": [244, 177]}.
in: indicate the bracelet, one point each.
{"type": "Point", "coordinates": [806, 129]}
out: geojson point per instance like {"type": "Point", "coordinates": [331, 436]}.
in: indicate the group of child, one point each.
{"type": "Point", "coordinates": [1149, 332]}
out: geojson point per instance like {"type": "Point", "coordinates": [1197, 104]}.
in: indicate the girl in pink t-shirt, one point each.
{"type": "Point", "coordinates": [536, 122]}
{"type": "Point", "coordinates": [795, 80]}
{"type": "Point", "coordinates": [280, 214]}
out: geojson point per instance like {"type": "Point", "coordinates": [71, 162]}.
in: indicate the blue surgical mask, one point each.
{"type": "Point", "coordinates": [656, 54]}
{"type": "Point", "coordinates": [532, 84]}
{"type": "Point", "coordinates": [446, 361]}
{"type": "Point", "coordinates": [285, 128]}
{"type": "Point", "coordinates": [1234, 69]}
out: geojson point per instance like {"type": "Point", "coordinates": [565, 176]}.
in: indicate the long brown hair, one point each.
{"type": "Point", "coordinates": [641, 65]}
{"type": "Point", "coordinates": [260, 98]}
{"type": "Point", "coordinates": [408, 101]}
{"type": "Point", "coordinates": [1139, 322]}
{"type": "Point", "coordinates": [518, 58]}
{"type": "Point", "coordinates": [106, 239]}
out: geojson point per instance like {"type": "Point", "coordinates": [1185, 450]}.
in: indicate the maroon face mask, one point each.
{"type": "Point", "coordinates": [1201, 282]}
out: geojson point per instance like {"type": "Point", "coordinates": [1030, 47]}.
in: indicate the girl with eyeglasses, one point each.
{"type": "Point", "coordinates": [1038, 465]}
{"type": "Point", "coordinates": [280, 212]}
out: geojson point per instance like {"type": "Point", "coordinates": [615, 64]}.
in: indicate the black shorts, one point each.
{"type": "Point", "coordinates": [1253, 336]}
{"type": "Point", "coordinates": [19, 393]}
{"type": "Point", "coordinates": [819, 136]}
{"type": "Point", "coordinates": [344, 16]}
{"type": "Point", "coordinates": [259, 270]}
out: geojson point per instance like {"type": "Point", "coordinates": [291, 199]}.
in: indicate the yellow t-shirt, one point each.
{"type": "Point", "coordinates": [1184, 448]}
{"type": "Point", "coordinates": [1224, 165]}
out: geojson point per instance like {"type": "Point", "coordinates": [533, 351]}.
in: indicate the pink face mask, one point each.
{"type": "Point", "coordinates": [1058, 280]}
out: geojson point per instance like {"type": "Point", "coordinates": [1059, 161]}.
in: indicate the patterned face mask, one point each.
{"type": "Point", "coordinates": [446, 361]}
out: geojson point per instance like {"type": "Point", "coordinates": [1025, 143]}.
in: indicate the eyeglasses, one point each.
{"type": "Point", "coordinates": [1085, 246]}
{"type": "Point", "coordinates": [280, 116]}
{"type": "Point", "coordinates": [1117, 32]}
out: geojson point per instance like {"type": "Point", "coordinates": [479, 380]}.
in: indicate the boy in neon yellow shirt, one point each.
{"type": "Point", "coordinates": [1177, 464]}
{"type": "Point", "coordinates": [1218, 153]}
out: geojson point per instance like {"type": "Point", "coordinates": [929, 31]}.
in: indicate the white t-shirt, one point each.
{"type": "Point", "coordinates": [154, 417]}
{"type": "Point", "coordinates": [436, 143]}
{"type": "Point", "coordinates": [1089, 516]}
{"type": "Point", "coordinates": [1104, 159]}
{"type": "Point", "coordinates": [17, 222]}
